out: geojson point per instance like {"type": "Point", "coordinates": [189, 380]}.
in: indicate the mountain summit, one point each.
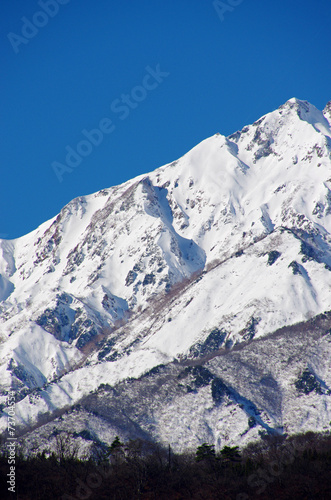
{"type": "Point", "coordinates": [208, 263]}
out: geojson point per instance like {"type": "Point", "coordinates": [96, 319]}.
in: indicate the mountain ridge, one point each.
{"type": "Point", "coordinates": [171, 264]}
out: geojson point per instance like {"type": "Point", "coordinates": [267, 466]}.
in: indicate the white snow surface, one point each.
{"type": "Point", "coordinates": [152, 266]}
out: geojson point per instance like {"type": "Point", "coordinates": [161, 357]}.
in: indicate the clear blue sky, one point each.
{"type": "Point", "coordinates": [91, 55]}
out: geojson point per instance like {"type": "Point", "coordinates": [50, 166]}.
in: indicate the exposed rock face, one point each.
{"type": "Point", "coordinates": [327, 112]}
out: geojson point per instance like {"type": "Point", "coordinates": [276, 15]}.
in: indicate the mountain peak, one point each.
{"type": "Point", "coordinates": [300, 102]}
{"type": "Point", "coordinates": [308, 113]}
{"type": "Point", "coordinates": [300, 107]}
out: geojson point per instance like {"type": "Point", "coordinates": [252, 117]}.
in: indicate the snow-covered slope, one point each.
{"type": "Point", "coordinates": [218, 248]}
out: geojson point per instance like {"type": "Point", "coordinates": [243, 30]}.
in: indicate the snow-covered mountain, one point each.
{"type": "Point", "coordinates": [190, 267]}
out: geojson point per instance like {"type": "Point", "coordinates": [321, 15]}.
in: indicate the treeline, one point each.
{"type": "Point", "coordinates": [297, 467]}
